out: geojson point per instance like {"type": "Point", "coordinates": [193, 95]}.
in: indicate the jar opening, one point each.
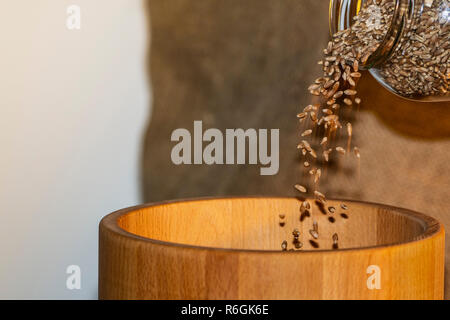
{"type": "Point", "coordinates": [342, 12]}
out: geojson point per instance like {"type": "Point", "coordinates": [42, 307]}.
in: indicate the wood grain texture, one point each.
{"type": "Point", "coordinates": [230, 249]}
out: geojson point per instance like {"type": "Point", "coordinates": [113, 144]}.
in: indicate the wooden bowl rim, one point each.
{"type": "Point", "coordinates": [110, 222]}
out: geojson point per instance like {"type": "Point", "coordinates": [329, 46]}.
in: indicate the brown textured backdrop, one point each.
{"type": "Point", "coordinates": [246, 64]}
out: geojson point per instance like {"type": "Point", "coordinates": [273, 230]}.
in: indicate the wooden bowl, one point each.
{"type": "Point", "coordinates": [231, 249]}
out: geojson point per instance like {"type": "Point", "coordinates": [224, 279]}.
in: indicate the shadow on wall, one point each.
{"type": "Point", "coordinates": [430, 121]}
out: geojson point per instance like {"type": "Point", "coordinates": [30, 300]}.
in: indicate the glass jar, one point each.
{"type": "Point", "coordinates": [413, 60]}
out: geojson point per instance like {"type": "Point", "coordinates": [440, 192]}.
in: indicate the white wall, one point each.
{"type": "Point", "coordinates": [73, 109]}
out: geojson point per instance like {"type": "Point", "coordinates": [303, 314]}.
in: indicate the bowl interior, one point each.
{"type": "Point", "coordinates": [254, 224]}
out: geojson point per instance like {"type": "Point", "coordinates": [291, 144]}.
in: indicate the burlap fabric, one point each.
{"type": "Point", "coordinates": [246, 64]}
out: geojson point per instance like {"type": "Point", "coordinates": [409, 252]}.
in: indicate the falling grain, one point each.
{"type": "Point", "coordinates": [349, 129]}
{"type": "Point", "coordinates": [340, 150]}
{"type": "Point", "coordinates": [300, 188]}
{"type": "Point", "coordinates": [344, 215]}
